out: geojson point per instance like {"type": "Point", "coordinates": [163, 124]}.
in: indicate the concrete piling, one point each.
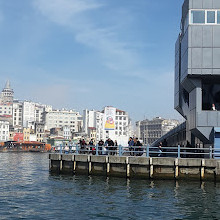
{"type": "Point", "coordinates": [137, 167]}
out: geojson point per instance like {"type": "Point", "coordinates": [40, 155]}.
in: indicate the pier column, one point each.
{"type": "Point", "coordinates": [108, 165]}
{"type": "Point", "coordinates": [90, 164]}
{"type": "Point", "coordinates": [61, 162]}
{"type": "Point", "coordinates": [176, 168]}
{"type": "Point", "coordinates": [203, 169]}
{"type": "Point", "coordinates": [128, 167]}
{"type": "Point", "coordinates": [151, 168]}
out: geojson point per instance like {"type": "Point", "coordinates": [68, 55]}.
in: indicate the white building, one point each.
{"type": "Point", "coordinates": [110, 123]}
{"type": "Point", "coordinates": [66, 132]}
{"type": "Point", "coordinates": [17, 114]}
{"type": "Point", "coordinates": [6, 109]}
{"type": "Point", "coordinates": [4, 131]}
{"type": "Point", "coordinates": [61, 118]}
{"type": "Point", "coordinates": [33, 112]}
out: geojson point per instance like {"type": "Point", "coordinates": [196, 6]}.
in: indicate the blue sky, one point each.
{"type": "Point", "coordinates": [92, 53]}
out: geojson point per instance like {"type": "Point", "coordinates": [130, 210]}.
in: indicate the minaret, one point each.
{"type": "Point", "coordinates": [7, 94]}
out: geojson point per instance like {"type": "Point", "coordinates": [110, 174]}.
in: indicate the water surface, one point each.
{"type": "Point", "coordinates": [29, 191]}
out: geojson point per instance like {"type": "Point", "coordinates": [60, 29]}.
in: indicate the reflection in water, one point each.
{"type": "Point", "coordinates": [29, 191]}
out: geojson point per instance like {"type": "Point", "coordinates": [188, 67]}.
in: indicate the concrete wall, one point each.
{"type": "Point", "coordinates": [136, 167]}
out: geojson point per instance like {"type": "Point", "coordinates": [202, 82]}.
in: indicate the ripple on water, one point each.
{"type": "Point", "coordinates": [29, 191]}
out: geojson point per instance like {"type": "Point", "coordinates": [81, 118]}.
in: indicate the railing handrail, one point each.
{"type": "Point", "coordinates": [145, 150]}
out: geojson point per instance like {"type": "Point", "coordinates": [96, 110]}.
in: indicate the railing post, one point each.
{"type": "Point", "coordinates": [97, 149]}
{"type": "Point", "coordinates": [147, 151]}
{"type": "Point", "coordinates": [210, 152]}
{"type": "Point", "coordinates": [61, 148]}
{"type": "Point", "coordinates": [178, 151]}
{"type": "Point", "coordinates": [120, 151]}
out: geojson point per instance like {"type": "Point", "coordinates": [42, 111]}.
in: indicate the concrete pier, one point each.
{"type": "Point", "coordinates": [136, 167]}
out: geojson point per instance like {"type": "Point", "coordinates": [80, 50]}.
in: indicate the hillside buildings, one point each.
{"type": "Point", "coordinates": [31, 121]}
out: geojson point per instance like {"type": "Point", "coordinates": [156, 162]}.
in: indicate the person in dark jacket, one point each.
{"type": "Point", "coordinates": [138, 147]}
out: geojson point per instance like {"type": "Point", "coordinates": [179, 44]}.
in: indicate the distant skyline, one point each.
{"type": "Point", "coordinates": [79, 54]}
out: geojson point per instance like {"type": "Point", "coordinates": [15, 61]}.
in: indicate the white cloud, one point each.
{"type": "Point", "coordinates": [63, 11]}
{"type": "Point", "coordinates": [117, 55]}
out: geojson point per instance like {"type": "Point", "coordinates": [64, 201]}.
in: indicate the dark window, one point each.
{"type": "Point", "coordinates": [210, 95]}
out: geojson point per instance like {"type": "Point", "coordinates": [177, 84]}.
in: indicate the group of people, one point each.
{"type": "Point", "coordinates": [109, 147]}
{"type": "Point", "coordinates": [135, 147]}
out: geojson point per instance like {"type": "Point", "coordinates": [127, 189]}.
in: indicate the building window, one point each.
{"type": "Point", "coordinates": [197, 17]}
{"type": "Point", "coordinates": [218, 17]}
{"type": "Point", "coordinates": [210, 17]}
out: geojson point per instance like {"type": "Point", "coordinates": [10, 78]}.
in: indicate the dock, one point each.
{"type": "Point", "coordinates": [136, 167]}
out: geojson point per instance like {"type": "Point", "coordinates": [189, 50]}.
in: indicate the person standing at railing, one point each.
{"type": "Point", "coordinates": [92, 147]}
{"type": "Point", "coordinates": [115, 147]}
{"type": "Point", "coordinates": [131, 144]}
{"type": "Point", "coordinates": [83, 146]}
{"type": "Point", "coordinates": [100, 146]}
{"type": "Point", "coordinates": [138, 147]}
{"type": "Point", "coordinates": [160, 149]}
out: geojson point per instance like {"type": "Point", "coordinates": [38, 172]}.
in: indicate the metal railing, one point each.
{"type": "Point", "coordinates": [144, 151]}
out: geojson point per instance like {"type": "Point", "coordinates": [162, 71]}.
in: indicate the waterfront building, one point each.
{"type": "Point", "coordinates": [39, 130]}
{"type": "Point", "coordinates": [61, 118]}
{"type": "Point", "coordinates": [151, 130]}
{"type": "Point", "coordinates": [110, 123]}
{"type": "Point", "coordinates": [66, 132]}
{"type": "Point", "coordinates": [33, 112]}
{"type": "Point", "coordinates": [29, 134]}
{"type": "Point", "coordinates": [197, 70]}
{"type": "Point", "coordinates": [17, 114]}
{"type": "Point", "coordinates": [93, 119]}
{"type": "Point", "coordinates": [4, 131]}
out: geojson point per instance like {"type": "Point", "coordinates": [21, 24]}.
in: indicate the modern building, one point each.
{"type": "Point", "coordinates": [61, 118]}
{"type": "Point", "coordinates": [152, 130]}
{"type": "Point", "coordinates": [197, 70]}
{"type": "Point", "coordinates": [4, 131]}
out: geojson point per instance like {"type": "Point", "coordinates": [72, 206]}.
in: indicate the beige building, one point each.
{"type": "Point", "coordinates": [151, 130]}
{"type": "Point", "coordinates": [29, 134]}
